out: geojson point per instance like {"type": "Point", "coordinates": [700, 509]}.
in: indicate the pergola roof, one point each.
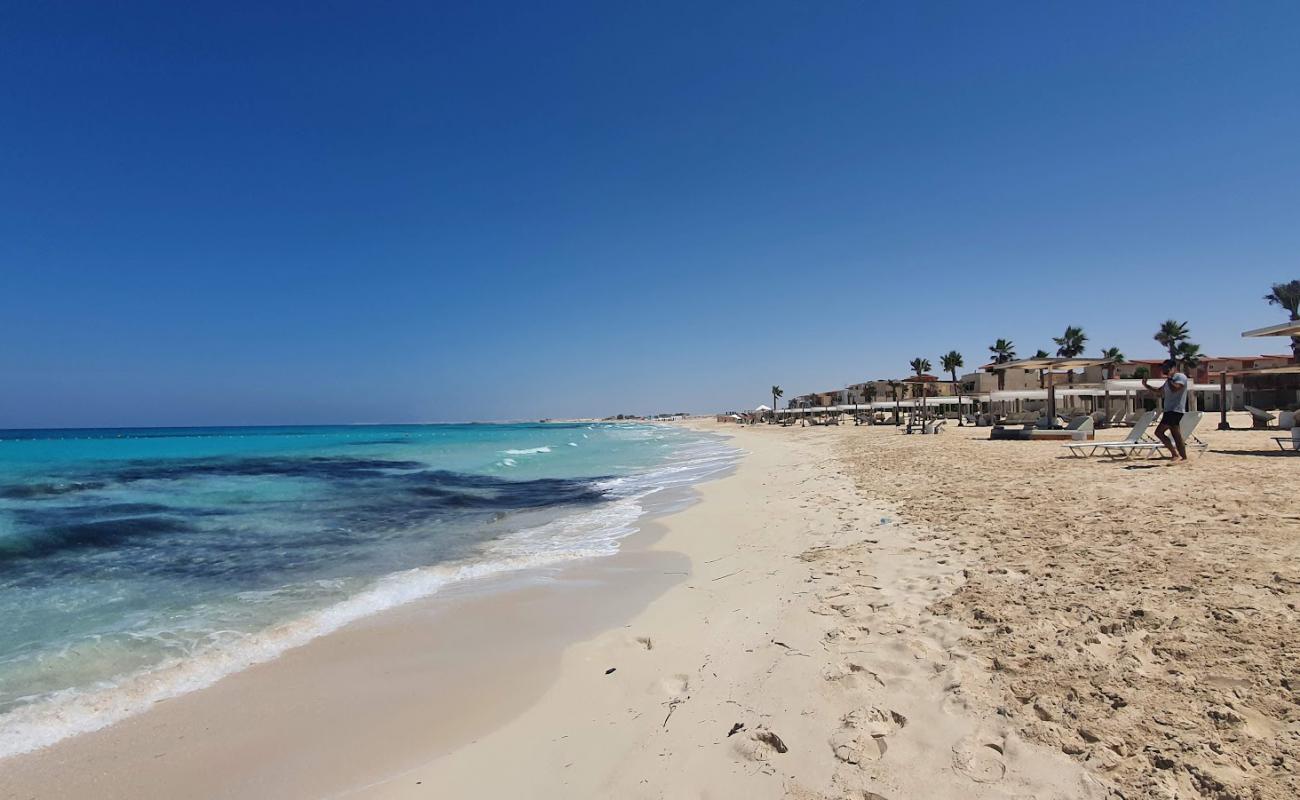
{"type": "Point", "coordinates": [1289, 369]}
{"type": "Point", "coordinates": [1135, 385]}
{"type": "Point", "coordinates": [1050, 363]}
{"type": "Point", "coordinates": [1291, 328]}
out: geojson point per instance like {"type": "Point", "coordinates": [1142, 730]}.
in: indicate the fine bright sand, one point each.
{"type": "Point", "coordinates": [854, 613]}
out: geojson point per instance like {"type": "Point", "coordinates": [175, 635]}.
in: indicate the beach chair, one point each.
{"type": "Point", "coordinates": [1081, 427]}
{"type": "Point", "coordinates": [1291, 443]}
{"type": "Point", "coordinates": [1259, 417]}
{"type": "Point", "coordinates": [1135, 436]}
{"type": "Point", "coordinates": [1188, 427]}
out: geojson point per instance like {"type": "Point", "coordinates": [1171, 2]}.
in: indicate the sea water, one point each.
{"type": "Point", "coordinates": [139, 564]}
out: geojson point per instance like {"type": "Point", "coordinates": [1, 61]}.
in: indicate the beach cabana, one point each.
{"type": "Point", "coordinates": [1259, 372]}
{"type": "Point", "coordinates": [1051, 366]}
{"type": "Point", "coordinates": [1288, 329]}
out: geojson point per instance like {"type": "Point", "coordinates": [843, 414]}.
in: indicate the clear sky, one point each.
{"type": "Point", "coordinates": [270, 212]}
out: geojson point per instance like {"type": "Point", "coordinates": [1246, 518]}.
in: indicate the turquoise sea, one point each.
{"type": "Point", "coordinates": [139, 564]}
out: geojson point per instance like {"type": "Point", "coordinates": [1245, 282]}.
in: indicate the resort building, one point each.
{"type": "Point", "coordinates": [984, 380]}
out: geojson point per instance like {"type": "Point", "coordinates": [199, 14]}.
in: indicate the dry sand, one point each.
{"type": "Point", "coordinates": [1140, 616]}
{"type": "Point", "coordinates": [854, 613]}
{"type": "Point", "coordinates": [802, 628]}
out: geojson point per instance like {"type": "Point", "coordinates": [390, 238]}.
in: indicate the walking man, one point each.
{"type": "Point", "coordinates": [1174, 403]}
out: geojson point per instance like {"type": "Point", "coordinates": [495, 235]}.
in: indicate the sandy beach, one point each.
{"type": "Point", "coordinates": [853, 613]}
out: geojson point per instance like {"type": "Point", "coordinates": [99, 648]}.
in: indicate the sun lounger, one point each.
{"type": "Point", "coordinates": [1288, 443]}
{"type": "Point", "coordinates": [1081, 427]}
{"type": "Point", "coordinates": [1259, 417]}
{"type": "Point", "coordinates": [1020, 418]}
{"type": "Point", "coordinates": [1135, 436]}
{"type": "Point", "coordinates": [1130, 449]}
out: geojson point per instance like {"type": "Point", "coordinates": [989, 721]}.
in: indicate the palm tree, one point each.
{"type": "Point", "coordinates": [1189, 358]}
{"type": "Point", "coordinates": [1042, 384]}
{"type": "Point", "coordinates": [893, 388]}
{"type": "Point", "coordinates": [1113, 355]}
{"type": "Point", "coordinates": [1070, 345]}
{"type": "Point", "coordinates": [1287, 295]}
{"type": "Point", "coordinates": [920, 366]}
{"type": "Point", "coordinates": [1003, 350]}
{"type": "Point", "coordinates": [869, 393]}
{"type": "Point", "coordinates": [1171, 334]}
{"type": "Point", "coordinates": [951, 362]}
{"type": "Point", "coordinates": [777, 393]}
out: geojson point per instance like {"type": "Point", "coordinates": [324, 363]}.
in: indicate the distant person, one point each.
{"type": "Point", "coordinates": [1174, 404]}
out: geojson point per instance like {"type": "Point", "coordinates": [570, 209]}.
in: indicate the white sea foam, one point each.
{"type": "Point", "coordinates": [532, 451]}
{"type": "Point", "coordinates": [71, 711]}
{"type": "Point", "coordinates": [589, 533]}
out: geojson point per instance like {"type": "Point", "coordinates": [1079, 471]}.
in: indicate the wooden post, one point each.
{"type": "Point", "coordinates": [1051, 401]}
{"type": "Point", "coordinates": [1223, 401]}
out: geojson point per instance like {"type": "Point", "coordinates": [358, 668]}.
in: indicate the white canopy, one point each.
{"type": "Point", "coordinates": [885, 405]}
{"type": "Point", "coordinates": [965, 400]}
{"type": "Point", "coordinates": [1291, 328]}
{"type": "Point", "coordinates": [762, 407]}
{"type": "Point", "coordinates": [1041, 394]}
{"type": "Point", "coordinates": [1135, 385]}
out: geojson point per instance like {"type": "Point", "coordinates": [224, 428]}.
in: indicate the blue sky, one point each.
{"type": "Point", "coordinates": [274, 213]}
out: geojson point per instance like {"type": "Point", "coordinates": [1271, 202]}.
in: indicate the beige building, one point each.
{"type": "Point", "coordinates": [983, 381]}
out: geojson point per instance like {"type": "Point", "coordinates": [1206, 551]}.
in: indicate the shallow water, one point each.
{"type": "Point", "coordinates": [138, 564]}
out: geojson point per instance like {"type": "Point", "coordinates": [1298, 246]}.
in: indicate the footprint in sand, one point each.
{"type": "Point", "coordinates": [862, 734]}
{"type": "Point", "coordinates": [760, 744]}
{"type": "Point", "coordinates": [854, 677]}
{"type": "Point", "coordinates": [797, 792]}
{"type": "Point", "coordinates": [980, 757]}
{"type": "Point", "coordinates": [676, 685]}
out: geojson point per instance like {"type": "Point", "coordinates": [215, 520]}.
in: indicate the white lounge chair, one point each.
{"type": "Point", "coordinates": [1259, 417]}
{"type": "Point", "coordinates": [1135, 436]}
{"type": "Point", "coordinates": [1081, 427]}
{"type": "Point", "coordinates": [1188, 427]}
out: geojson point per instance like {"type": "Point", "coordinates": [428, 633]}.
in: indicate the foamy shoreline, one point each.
{"type": "Point", "coordinates": [502, 563]}
{"type": "Point", "coordinates": [613, 677]}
